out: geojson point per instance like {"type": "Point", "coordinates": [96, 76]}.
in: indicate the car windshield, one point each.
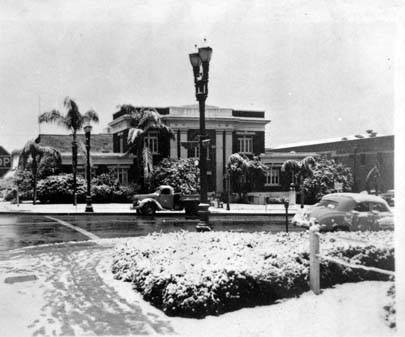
{"type": "Point", "coordinates": [339, 204]}
{"type": "Point", "coordinates": [327, 203]}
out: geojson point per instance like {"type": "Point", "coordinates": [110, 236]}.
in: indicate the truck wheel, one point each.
{"type": "Point", "coordinates": [191, 209]}
{"type": "Point", "coordinates": [148, 209]}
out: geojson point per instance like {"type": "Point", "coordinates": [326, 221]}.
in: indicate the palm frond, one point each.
{"type": "Point", "coordinates": [73, 117]}
{"type": "Point", "coordinates": [47, 151]}
{"type": "Point", "coordinates": [53, 116]}
{"type": "Point", "coordinates": [36, 152]}
{"type": "Point", "coordinates": [134, 134]}
{"type": "Point", "coordinates": [374, 173]}
{"type": "Point", "coordinates": [91, 116]}
{"type": "Point", "coordinates": [126, 109]}
{"type": "Point", "coordinates": [290, 166]}
{"type": "Point", "coordinates": [150, 119]}
{"type": "Point", "coordinates": [308, 162]}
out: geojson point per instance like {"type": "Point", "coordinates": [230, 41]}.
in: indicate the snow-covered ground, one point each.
{"type": "Point", "coordinates": [352, 309]}
{"type": "Point", "coordinates": [75, 294]}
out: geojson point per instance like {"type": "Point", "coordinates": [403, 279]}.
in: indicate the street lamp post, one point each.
{"type": "Point", "coordinates": [200, 61]}
{"type": "Point", "coordinates": [89, 207]}
{"type": "Point", "coordinates": [286, 204]}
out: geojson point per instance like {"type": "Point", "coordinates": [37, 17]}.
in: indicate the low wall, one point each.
{"type": "Point", "coordinates": [260, 197]}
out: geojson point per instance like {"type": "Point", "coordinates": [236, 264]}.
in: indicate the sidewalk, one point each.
{"type": "Point", "coordinates": [28, 207]}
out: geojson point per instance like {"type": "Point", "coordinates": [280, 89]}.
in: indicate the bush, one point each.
{"type": "Point", "coordinates": [322, 181]}
{"type": "Point", "coordinates": [181, 174]}
{"type": "Point", "coordinates": [104, 188]}
{"type": "Point", "coordinates": [199, 274]}
{"type": "Point", "coordinates": [23, 179]}
{"type": "Point", "coordinates": [102, 193]}
{"type": "Point", "coordinates": [59, 189]}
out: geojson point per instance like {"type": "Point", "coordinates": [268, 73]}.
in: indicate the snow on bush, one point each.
{"type": "Point", "coordinates": [198, 274]}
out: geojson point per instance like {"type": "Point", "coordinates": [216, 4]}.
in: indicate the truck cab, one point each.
{"type": "Point", "coordinates": [164, 198]}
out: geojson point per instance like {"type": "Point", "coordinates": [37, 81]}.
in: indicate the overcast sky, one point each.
{"type": "Point", "coordinates": [319, 69]}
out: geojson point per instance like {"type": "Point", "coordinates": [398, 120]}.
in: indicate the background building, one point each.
{"type": "Point", "coordinates": [102, 157]}
{"type": "Point", "coordinates": [5, 161]}
{"type": "Point", "coordinates": [229, 131]}
{"type": "Point", "coordinates": [359, 152]}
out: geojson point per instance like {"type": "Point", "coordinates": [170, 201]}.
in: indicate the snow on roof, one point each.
{"type": "Point", "coordinates": [323, 141]}
{"type": "Point", "coordinates": [196, 106]}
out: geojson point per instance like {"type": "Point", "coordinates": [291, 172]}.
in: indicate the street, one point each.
{"type": "Point", "coordinates": [23, 230]}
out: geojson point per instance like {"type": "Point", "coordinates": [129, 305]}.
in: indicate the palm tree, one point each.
{"type": "Point", "coordinates": [373, 178]}
{"type": "Point", "coordinates": [141, 121]}
{"type": "Point", "coordinates": [237, 167]}
{"type": "Point", "coordinates": [73, 120]}
{"type": "Point", "coordinates": [301, 169]}
{"type": "Point", "coordinates": [291, 166]}
{"type": "Point", "coordinates": [32, 154]}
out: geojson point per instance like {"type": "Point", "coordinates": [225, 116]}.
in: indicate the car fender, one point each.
{"type": "Point", "coordinates": [146, 200]}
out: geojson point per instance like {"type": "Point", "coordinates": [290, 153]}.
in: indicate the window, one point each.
{"type": "Point", "coordinates": [195, 152]}
{"type": "Point", "coordinates": [165, 191]}
{"type": "Point", "coordinates": [151, 140]}
{"type": "Point", "coordinates": [362, 207]}
{"type": "Point", "coordinates": [120, 142]}
{"type": "Point", "coordinates": [122, 175]}
{"type": "Point", "coordinates": [245, 144]}
{"type": "Point", "coordinates": [379, 207]}
{"type": "Point", "coordinates": [332, 204]}
{"type": "Point", "coordinates": [272, 177]}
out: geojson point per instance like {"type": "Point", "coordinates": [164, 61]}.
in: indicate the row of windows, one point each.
{"type": "Point", "coordinates": [151, 140]}
{"type": "Point", "coordinates": [272, 177]}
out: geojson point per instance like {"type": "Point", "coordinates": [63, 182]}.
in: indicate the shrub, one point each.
{"type": "Point", "coordinates": [324, 175]}
{"type": "Point", "coordinates": [182, 174]}
{"type": "Point", "coordinates": [102, 193]}
{"type": "Point", "coordinates": [59, 189]}
{"type": "Point", "coordinates": [24, 181]}
{"type": "Point", "coordinates": [104, 188]}
{"type": "Point", "coordinates": [199, 274]}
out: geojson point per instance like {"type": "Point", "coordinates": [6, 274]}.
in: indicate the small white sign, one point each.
{"type": "Point", "coordinates": [338, 186]}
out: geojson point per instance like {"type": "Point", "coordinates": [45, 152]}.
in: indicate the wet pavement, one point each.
{"type": "Point", "coordinates": [23, 230]}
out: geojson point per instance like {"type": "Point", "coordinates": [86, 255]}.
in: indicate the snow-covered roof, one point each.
{"type": "Point", "coordinates": [323, 141]}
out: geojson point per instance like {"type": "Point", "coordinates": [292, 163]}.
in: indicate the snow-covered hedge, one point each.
{"type": "Point", "coordinates": [198, 274]}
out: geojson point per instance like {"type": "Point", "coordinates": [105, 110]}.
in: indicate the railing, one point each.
{"type": "Point", "coordinates": [315, 257]}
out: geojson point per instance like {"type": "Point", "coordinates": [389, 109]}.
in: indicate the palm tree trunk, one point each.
{"type": "Point", "coordinates": [302, 191]}
{"type": "Point", "coordinates": [74, 167]}
{"type": "Point", "coordinates": [34, 173]}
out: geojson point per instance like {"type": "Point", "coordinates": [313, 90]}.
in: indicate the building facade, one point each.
{"type": "Point", "coordinates": [103, 159]}
{"type": "Point", "coordinates": [229, 131]}
{"type": "Point", "coordinates": [360, 153]}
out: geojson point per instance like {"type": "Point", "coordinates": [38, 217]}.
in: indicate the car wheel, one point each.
{"type": "Point", "coordinates": [341, 228]}
{"type": "Point", "coordinates": [148, 209]}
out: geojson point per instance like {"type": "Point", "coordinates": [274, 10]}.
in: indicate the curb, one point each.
{"type": "Point", "coordinates": [158, 215]}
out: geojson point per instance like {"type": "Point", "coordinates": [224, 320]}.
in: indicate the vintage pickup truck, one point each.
{"type": "Point", "coordinates": [164, 198]}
